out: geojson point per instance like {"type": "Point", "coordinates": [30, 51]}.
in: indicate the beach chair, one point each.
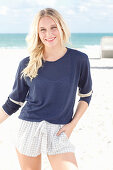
{"type": "Point", "coordinates": [107, 47]}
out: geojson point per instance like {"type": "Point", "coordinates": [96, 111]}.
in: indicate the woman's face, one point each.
{"type": "Point", "coordinates": [48, 32]}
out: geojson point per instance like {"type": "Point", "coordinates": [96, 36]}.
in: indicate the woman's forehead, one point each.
{"type": "Point", "coordinates": [46, 21]}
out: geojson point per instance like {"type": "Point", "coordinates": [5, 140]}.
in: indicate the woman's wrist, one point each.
{"type": "Point", "coordinates": [73, 123]}
{"type": "Point", "coordinates": [3, 115]}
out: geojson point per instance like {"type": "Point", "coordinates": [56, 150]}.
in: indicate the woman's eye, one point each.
{"type": "Point", "coordinates": [45, 29]}
{"type": "Point", "coordinates": [53, 27]}
{"type": "Point", "coordinates": [42, 29]}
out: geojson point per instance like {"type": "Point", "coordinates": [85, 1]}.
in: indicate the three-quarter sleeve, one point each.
{"type": "Point", "coordinates": [85, 81]}
{"type": "Point", "coordinates": [19, 91]}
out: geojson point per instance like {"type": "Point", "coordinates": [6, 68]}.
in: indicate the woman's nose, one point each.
{"type": "Point", "coordinates": [48, 34]}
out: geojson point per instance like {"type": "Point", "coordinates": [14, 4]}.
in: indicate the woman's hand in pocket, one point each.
{"type": "Point", "coordinates": [67, 129]}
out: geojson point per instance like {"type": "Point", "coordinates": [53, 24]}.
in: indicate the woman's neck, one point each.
{"type": "Point", "coordinates": [52, 54]}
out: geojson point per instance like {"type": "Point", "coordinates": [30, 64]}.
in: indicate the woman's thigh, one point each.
{"type": "Point", "coordinates": [29, 163]}
{"type": "Point", "coordinates": [64, 161]}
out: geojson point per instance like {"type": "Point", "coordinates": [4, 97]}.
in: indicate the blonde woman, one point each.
{"type": "Point", "coordinates": [47, 80]}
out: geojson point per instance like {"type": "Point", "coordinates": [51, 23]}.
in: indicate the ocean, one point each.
{"type": "Point", "coordinates": [78, 40]}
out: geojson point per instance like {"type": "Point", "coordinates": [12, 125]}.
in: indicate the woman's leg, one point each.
{"type": "Point", "coordinates": [29, 163]}
{"type": "Point", "coordinates": [64, 161]}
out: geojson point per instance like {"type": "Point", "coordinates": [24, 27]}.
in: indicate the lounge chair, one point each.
{"type": "Point", "coordinates": [107, 47]}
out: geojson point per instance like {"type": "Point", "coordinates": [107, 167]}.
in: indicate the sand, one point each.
{"type": "Point", "coordinates": [93, 135]}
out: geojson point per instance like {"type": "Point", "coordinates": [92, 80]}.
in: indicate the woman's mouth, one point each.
{"type": "Point", "coordinates": [50, 39]}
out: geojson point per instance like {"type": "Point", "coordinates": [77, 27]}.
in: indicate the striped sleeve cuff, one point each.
{"type": "Point", "coordinates": [14, 101]}
{"type": "Point", "coordinates": [11, 106]}
{"type": "Point", "coordinates": [86, 97]}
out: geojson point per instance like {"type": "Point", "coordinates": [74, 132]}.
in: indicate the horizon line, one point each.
{"type": "Point", "coordinates": [70, 32]}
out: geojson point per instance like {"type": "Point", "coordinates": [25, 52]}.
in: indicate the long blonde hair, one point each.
{"type": "Point", "coordinates": [35, 45]}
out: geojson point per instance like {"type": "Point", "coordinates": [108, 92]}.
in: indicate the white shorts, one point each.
{"type": "Point", "coordinates": [34, 138]}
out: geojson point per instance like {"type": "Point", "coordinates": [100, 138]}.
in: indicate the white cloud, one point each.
{"type": "Point", "coordinates": [83, 8]}
{"type": "Point", "coordinates": [46, 2]}
{"type": "Point", "coordinates": [16, 7]}
{"type": "Point", "coordinates": [70, 12]}
{"type": "Point", "coordinates": [103, 13]}
{"type": "Point", "coordinates": [93, 11]}
{"type": "Point", "coordinates": [110, 6]}
{"type": "Point", "coordinates": [4, 10]}
{"type": "Point", "coordinates": [27, 3]}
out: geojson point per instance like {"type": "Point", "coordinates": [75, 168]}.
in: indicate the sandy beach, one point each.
{"type": "Point", "coordinates": [93, 135]}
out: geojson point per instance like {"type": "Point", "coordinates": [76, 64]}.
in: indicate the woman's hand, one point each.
{"type": "Point", "coordinates": [3, 115]}
{"type": "Point", "coordinates": [67, 128]}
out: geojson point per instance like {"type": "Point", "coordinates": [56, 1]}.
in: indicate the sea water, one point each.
{"type": "Point", "coordinates": [77, 40]}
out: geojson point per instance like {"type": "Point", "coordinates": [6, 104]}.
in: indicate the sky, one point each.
{"type": "Point", "coordinates": [85, 16]}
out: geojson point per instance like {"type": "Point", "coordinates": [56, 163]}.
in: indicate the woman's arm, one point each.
{"type": "Point", "coordinates": [3, 115]}
{"type": "Point", "coordinates": [19, 91]}
{"type": "Point", "coordinates": [68, 128]}
{"type": "Point", "coordinates": [80, 110]}
{"type": "Point", "coordinates": [85, 93]}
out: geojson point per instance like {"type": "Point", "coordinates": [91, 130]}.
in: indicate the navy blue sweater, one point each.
{"type": "Point", "coordinates": [51, 95]}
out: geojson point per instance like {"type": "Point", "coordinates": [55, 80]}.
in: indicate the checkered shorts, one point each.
{"type": "Point", "coordinates": [34, 138]}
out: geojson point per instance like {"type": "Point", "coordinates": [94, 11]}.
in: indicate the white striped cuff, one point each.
{"type": "Point", "coordinates": [85, 95]}
{"type": "Point", "coordinates": [19, 103]}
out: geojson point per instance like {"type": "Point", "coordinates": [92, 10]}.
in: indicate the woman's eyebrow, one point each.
{"type": "Point", "coordinates": [51, 25]}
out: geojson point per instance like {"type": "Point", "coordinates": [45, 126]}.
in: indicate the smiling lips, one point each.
{"type": "Point", "coordinates": [50, 39]}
